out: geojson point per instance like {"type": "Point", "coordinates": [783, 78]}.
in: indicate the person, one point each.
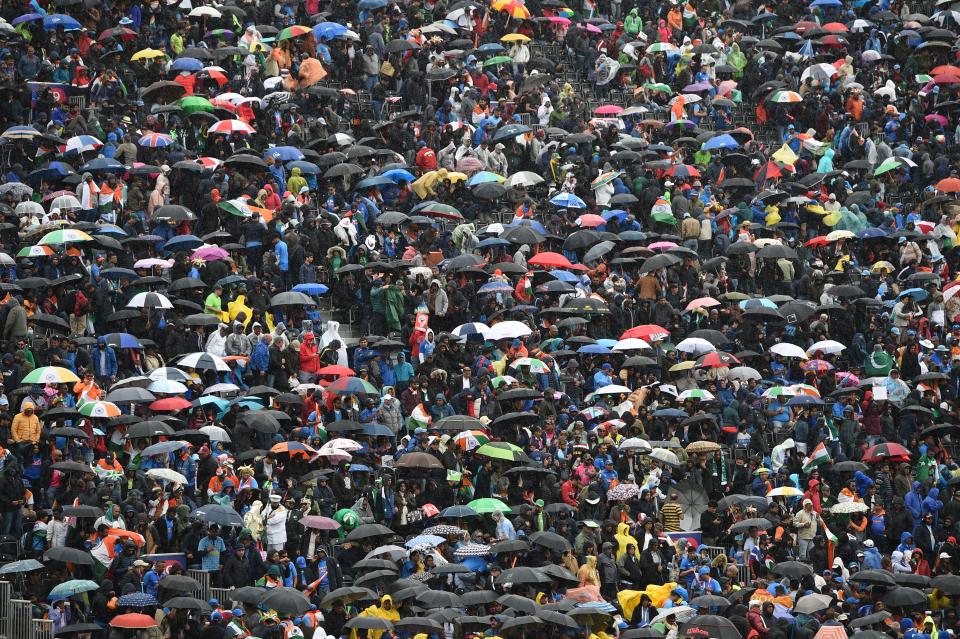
{"type": "Point", "coordinates": [806, 522]}
{"type": "Point", "coordinates": [211, 548]}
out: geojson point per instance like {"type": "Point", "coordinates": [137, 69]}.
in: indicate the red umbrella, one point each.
{"type": "Point", "coordinates": [170, 403]}
{"type": "Point", "coordinates": [336, 370]}
{"type": "Point", "coordinates": [948, 185]}
{"type": "Point", "coordinates": [835, 27]}
{"type": "Point", "coordinates": [717, 359]}
{"type": "Point", "coordinates": [820, 240]}
{"type": "Point", "coordinates": [548, 259]}
{"type": "Point", "coordinates": [683, 170]}
{"type": "Point", "coordinates": [886, 451]}
{"type": "Point", "coordinates": [133, 620]}
{"type": "Point", "coordinates": [647, 332]}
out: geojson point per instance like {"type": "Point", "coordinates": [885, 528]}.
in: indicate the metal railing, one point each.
{"type": "Point", "coordinates": [203, 578]}
{"type": "Point", "coordinates": [42, 629]}
{"type": "Point", "coordinates": [6, 589]}
{"type": "Point", "coordinates": [20, 619]}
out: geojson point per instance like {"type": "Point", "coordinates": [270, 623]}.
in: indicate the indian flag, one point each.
{"type": "Point", "coordinates": [419, 418]}
{"type": "Point", "coordinates": [817, 456]}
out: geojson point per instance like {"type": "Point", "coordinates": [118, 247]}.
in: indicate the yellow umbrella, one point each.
{"type": "Point", "coordinates": [882, 265]}
{"type": "Point", "coordinates": [515, 37]}
{"type": "Point", "coordinates": [785, 155]}
{"type": "Point", "coordinates": [682, 366]}
{"type": "Point", "coordinates": [148, 54]}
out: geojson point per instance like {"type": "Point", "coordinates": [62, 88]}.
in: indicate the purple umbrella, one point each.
{"type": "Point", "coordinates": [697, 86]}
{"type": "Point", "coordinates": [209, 254]}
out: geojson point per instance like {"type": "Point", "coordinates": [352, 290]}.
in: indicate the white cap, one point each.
{"type": "Point", "coordinates": [944, 555]}
{"type": "Point", "coordinates": [868, 543]}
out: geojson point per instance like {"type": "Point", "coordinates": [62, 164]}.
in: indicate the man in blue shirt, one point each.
{"type": "Point", "coordinates": [283, 258]}
{"type": "Point", "coordinates": [151, 580]}
{"type": "Point", "coordinates": [211, 547]}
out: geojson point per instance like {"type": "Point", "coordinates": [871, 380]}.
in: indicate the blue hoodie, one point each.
{"type": "Point", "coordinates": [912, 500]}
{"type": "Point", "coordinates": [872, 559]}
{"type": "Point", "coordinates": [863, 483]}
{"type": "Point", "coordinates": [904, 538]}
{"type": "Point", "coordinates": [932, 504]}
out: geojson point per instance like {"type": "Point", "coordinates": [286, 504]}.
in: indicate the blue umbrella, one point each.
{"type": "Point", "coordinates": [568, 201]}
{"type": "Point", "coordinates": [826, 3]}
{"type": "Point", "coordinates": [182, 243]}
{"type": "Point", "coordinates": [103, 164]}
{"type": "Point", "coordinates": [367, 5]}
{"type": "Point", "coordinates": [359, 468]}
{"type": "Point", "coordinates": [307, 168]}
{"type": "Point", "coordinates": [212, 400]}
{"type": "Point", "coordinates": [377, 430]}
{"type": "Point", "coordinates": [111, 229]}
{"type": "Point", "coordinates": [918, 294]}
{"type": "Point", "coordinates": [425, 540]}
{"type": "Point", "coordinates": [674, 413]}
{"type": "Point", "coordinates": [594, 349]}
{"type": "Point", "coordinates": [758, 303]}
{"type": "Point", "coordinates": [492, 241]}
{"type": "Point", "coordinates": [724, 141]}
{"type": "Point", "coordinates": [311, 289]}
{"type": "Point", "coordinates": [27, 17]}
{"type": "Point", "coordinates": [24, 565]}
{"type": "Point", "coordinates": [329, 30]}
{"type": "Point", "coordinates": [491, 47]}
{"type": "Point", "coordinates": [138, 600]}
{"type": "Point", "coordinates": [162, 448]}
{"type": "Point", "coordinates": [284, 153]}
{"type": "Point", "coordinates": [398, 174]}
{"type": "Point", "coordinates": [565, 276]}
{"type": "Point", "coordinates": [123, 340]}
{"type": "Point", "coordinates": [371, 182]}
{"type": "Point", "coordinates": [614, 214]}
{"type": "Point", "coordinates": [50, 173]}
{"type": "Point", "coordinates": [186, 64]}
{"type": "Point", "coordinates": [117, 272]}
{"type": "Point", "coordinates": [59, 20]}
{"type": "Point", "coordinates": [871, 232]}
{"type": "Point", "coordinates": [804, 400]}
{"type": "Point", "coordinates": [73, 587]}
{"type": "Point", "coordinates": [536, 226]}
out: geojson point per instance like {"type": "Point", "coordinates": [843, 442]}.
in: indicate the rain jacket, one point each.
{"type": "Point", "coordinates": [913, 502]}
{"type": "Point", "coordinates": [296, 181]}
{"type": "Point", "coordinates": [624, 538]}
{"type": "Point", "coordinates": [382, 611]}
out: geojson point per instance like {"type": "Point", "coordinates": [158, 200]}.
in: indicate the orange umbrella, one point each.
{"type": "Point", "coordinates": [133, 620]}
{"type": "Point", "coordinates": [948, 185]}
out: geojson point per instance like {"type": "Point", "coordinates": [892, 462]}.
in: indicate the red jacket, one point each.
{"type": "Point", "coordinates": [309, 356]}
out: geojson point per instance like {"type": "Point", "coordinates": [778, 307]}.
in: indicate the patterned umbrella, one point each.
{"type": "Point", "coordinates": [623, 492]}
{"type": "Point", "coordinates": [138, 600]}
{"type": "Point", "coordinates": [471, 549]}
{"type": "Point", "coordinates": [442, 530]}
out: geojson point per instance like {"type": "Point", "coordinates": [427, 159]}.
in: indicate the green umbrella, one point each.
{"type": "Point", "coordinates": [890, 164]}
{"type": "Point", "coordinates": [666, 218]}
{"type": "Point", "coordinates": [488, 505]}
{"type": "Point", "coordinates": [194, 103]}
{"type": "Point", "coordinates": [502, 450]}
{"type": "Point", "coordinates": [498, 59]}
{"type": "Point", "coordinates": [76, 587]}
{"type": "Point", "coordinates": [658, 86]}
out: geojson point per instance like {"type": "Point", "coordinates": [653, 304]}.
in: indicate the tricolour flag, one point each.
{"type": "Point", "coordinates": [817, 456]}
{"type": "Point", "coordinates": [419, 418]}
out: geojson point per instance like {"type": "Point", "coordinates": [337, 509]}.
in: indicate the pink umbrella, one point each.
{"type": "Point", "coordinates": [590, 221]}
{"type": "Point", "coordinates": [559, 20]}
{"type": "Point", "coordinates": [726, 87]}
{"type": "Point", "coordinates": [469, 164]}
{"type": "Point", "coordinates": [845, 378]}
{"type": "Point", "coordinates": [661, 246]}
{"type": "Point", "coordinates": [318, 522]}
{"type": "Point", "coordinates": [936, 116]}
{"type": "Point", "coordinates": [591, 28]}
{"type": "Point", "coordinates": [209, 254]}
{"type": "Point", "coordinates": [702, 302]}
{"type": "Point", "coordinates": [608, 109]}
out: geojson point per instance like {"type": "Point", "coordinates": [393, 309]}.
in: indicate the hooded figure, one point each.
{"type": "Point", "coordinates": [385, 610]}
{"type": "Point", "coordinates": [331, 334]}
{"type": "Point", "coordinates": [296, 181]}
{"type": "Point", "coordinates": [913, 501]}
{"type": "Point", "coordinates": [624, 538]}
{"type": "Point", "coordinates": [826, 162]}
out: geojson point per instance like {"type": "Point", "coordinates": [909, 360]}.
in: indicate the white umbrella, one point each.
{"type": "Point", "coordinates": [631, 344]}
{"type": "Point", "coordinates": [149, 300]}
{"type": "Point", "coordinates": [612, 389]}
{"type": "Point", "coordinates": [821, 72]}
{"type": "Point", "coordinates": [849, 507]}
{"type": "Point", "coordinates": [394, 552]}
{"type": "Point", "coordinates": [682, 613]}
{"type": "Point", "coordinates": [204, 361]}
{"type": "Point", "coordinates": [168, 372]}
{"type": "Point", "coordinates": [167, 386]}
{"type": "Point", "coordinates": [220, 388]}
{"type": "Point", "coordinates": [342, 443]}
{"type": "Point", "coordinates": [696, 393]}
{"type": "Point", "coordinates": [26, 209]}
{"type": "Point", "coordinates": [695, 346]}
{"type": "Point", "coordinates": [744, 373]}
{"type": "Point", "coordinates": [524, 178]}
{"type": "Point", "coordinates": [6, 260]}
{"type": "Point", "coordinates": [507, 330]}
{"type": "Point", "coordinates": [664, 455]}
{"type": "Point", "coordinates": [65, 202]}
{"type": "Point", "coordinates": [635, 443]}
{"type": "Point", "coordinates": [784, 349]}
{"type": "Point", "coordinates": [827, 347]}
{"type": "Point", "coordinates": [209, 12]}
{"type": "Point", "coordinates": [215, 433]}
{"type": "Point", "coordinates": [167, 474]}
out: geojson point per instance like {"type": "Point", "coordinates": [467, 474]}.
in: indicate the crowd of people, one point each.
{"type": "Point", "coordinates": [433, 320]}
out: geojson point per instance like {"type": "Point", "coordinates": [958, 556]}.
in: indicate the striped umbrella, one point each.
{"type": "Point", "coordinates": [230, 127]}
{"type": "Point", "coordinates": [81, 144]}
{"type": "Point", "coordinates": [100, 409]}
{"type": "Point", "coordinates": [470, 439]}
{"type": "Point", "coordinates": [155, 140]}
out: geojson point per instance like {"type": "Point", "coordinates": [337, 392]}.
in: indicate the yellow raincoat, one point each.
{"type": "Point", "coordinates": [623, 538]}
{"type": "Point", "coordinates": [385, 610]}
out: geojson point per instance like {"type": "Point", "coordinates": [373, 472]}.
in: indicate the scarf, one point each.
{"type": "Point", "coordinates": [722, 470]}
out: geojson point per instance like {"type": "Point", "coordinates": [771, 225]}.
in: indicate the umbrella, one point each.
{"type": "Point", "coordinates": [712, 626]}
{"type": "Point", "coordinates": [24, 565]}
{"type": "Point", "coordinates": [66, 554]}
{"type": "Point", "coordinates": [285, 600]}
{"type": "Point", "coordinates": [551, 541]}
{"type": "Point", "coordinates": [218, 514]}
{"type": "Point", "coordinates": [73, 587]}
{"type": "Point", "coordinates": [904, 597]}
{"type": "Point", "coordinates": [811, 604]}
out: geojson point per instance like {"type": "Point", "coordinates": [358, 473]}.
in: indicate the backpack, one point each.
{"type": "Point", "coordinates": [80, 304]}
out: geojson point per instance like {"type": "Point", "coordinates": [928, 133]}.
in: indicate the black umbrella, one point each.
{"type": "Point", "coordinates": [416, 625]}
{"type": "Point", "coordinates": [478, 597]}
{"type": "Point", "coordinates": [524, 622]}
{"type": "Point", "coordinates": [284, 600]}
{"type": "Point", "coordinates": [248, 594]}
{"type": "Point", "coordinates": [218, 514]}
{"type": "Point", "coordinates": [347, 594]}
{"type": "Point", "coordinates": [72, 467]}
{"type": "Point", "coordinates": [551, 541]}
{"type": "Point", "coordinates": [76, 628]}
{"type": "Point", "coordinates": [260, 421]}
{"type": "Point", "coordinates": [369, 623]}
{"type": "Point", "coordinates": [712, 626]}
{"type": "Point", "coordinates": [180, 583]}
{"type": "Point", "coordinates": [509, 545]}
{"type": "Point", "coordinates": [874, 578]}
{"type": "Point", "coordinates": [440, 599]}
{"type": "Point", "coordinates": [187, 603]}
{"type": "Point", "coordinates": [367, 531]}
{"type": "Point", "coordinates": [903, 597]}
{"type": "Point", "coordinates": [747, 524]}
{"type": "Point", "coordinates": [948, 584]}
{"type": "Point", "coordinates": [522, 575]}
{"type": "Point", "coordinates": [792, 569]}
{"type": "Point", "coordinates": [69, 555]}
{"type": "Point", "coordinates": [710, 601]}
{"type": "Point", "coordinates": [517, 602]}
{"type": "Point", "coordinates": [641, 633]}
